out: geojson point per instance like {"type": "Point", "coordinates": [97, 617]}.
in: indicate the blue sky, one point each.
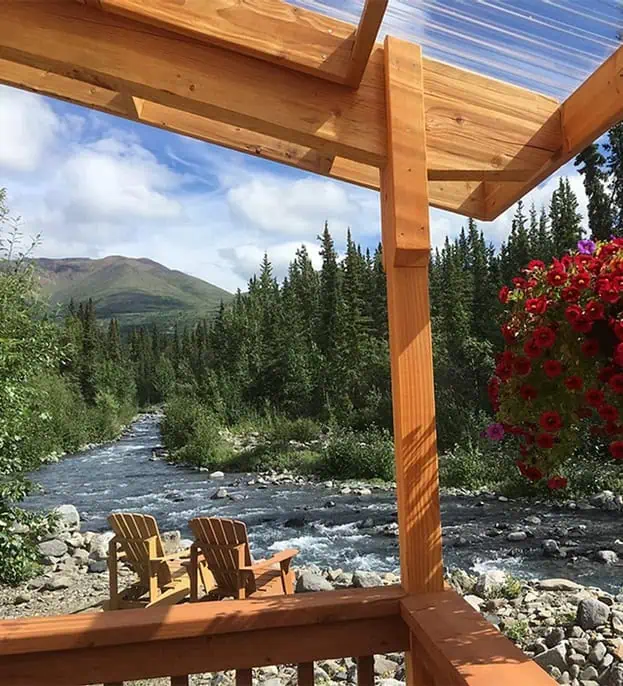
{"type": "Point", "coordinates": [95, 185]}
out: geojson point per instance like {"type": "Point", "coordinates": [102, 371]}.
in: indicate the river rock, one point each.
{"type": "Point", "coordinates": [97, 566]}
{"type": "Point", "coordinates": [516, 536]}
{"type": "Point", "coordinates": [52, 548]}
{"type": "Point", "coordinates": [580, 645]}
{"type": "Point", "coordinates": [592, 613]}
{"type": "Point", "coordinates": [58, 582]}
{"type": "Point", "coordinates": [474, 601]}
{"type": "Point", "coordinates": [366, 579]}
{"type": "Point", "coordinates": [76, 540]}
{"type": "Point", "coordinates": [171, 541]}
{"type": "Point", "coordinates": [551, 548]}
{"type": "Point", "coordinates": [554, 637]}
{"type": "Point", "coordinates": [295, 522]}
{"type": "Point", "coordinates": [554, 657]}
{"type": "Point", "coordinates": [614, 676]}
{"type": "Point", "coordinates": [309, 582]}
{"type": "Point", "coordinates": [606, 557]}
{"type": "Point", "coordinates": [558, 585]}
{"type": "Point", "coordinates": [217, 475]}
{"type": "Point", "coordinates": [81, 557]}
{"type": "Point", "coordinates": [488, 582]}
{"type": "Point", "coordinates": [383, 666]}
{"type": "Point", "coordinates": [617, 622]}
{"type": "Point", "coordinates": [597, 654]}
{"type": "Point", "coordinates": [68, 517]}
{"type": "Point", "coordinates": [220, 494]}
{"type": "Point", "coordinates": [98, 548]}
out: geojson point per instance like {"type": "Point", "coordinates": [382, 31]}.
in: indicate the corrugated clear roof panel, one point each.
{"type": "Point", "coordinates": [550, 46]}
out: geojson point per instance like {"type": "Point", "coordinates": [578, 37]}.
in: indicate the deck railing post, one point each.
{"type": "Point", "coordinates": [406, 246]}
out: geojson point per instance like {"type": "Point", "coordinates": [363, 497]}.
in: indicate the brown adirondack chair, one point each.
{"type": "Point", "coordinates": [162, 579]}
{"type": "Point", "coordinates": [224, 545]}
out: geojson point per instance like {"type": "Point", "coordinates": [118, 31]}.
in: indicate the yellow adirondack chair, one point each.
{"type": "Point", "coordinates": [162, 579]}
{"type": "Point", "coordinates": [224, 545]}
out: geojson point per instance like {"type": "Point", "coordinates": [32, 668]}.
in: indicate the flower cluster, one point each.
{"type": "Point", "coordinates": [562, 365]}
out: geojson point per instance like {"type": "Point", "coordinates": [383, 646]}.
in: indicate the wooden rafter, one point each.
{"type": "Point", "coordinates": [367, 31]}
{"type": "Point", "coordinates": [584, 116]}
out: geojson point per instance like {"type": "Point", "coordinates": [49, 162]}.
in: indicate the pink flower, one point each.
{"type": "Point", "coordinates": [495, 432]}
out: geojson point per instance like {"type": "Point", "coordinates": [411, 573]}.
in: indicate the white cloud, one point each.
{"type": "Point", "coordinates": [28, 128]}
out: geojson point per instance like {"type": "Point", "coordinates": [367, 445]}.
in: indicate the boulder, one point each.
{"type": "Point", "coordinates": [554, 657]}
{"type": "Point", "coordinates": [551, 548]}
{"type": "Point", "coordinates": [97, 566]}
{"type": "Point", "coordinates": [474, 601]}
{"type": "Point", "coordinates": [81, 557]}
{"type": "Point", "coordinates": [76, 540]}
{"type": "Point", "coordinates": [558, 585]}
{"type": "Point", "coordinates": [383, 666]}
{"type": "Point", "coordinates": [597, 653]}
{"type": "Point", "coordinates": [614, 676]}
{"type": "Point", "coordinates": [52, 548]}
{"type": "Point", "coordinates": [488, 582]}
{"type": "Point", "coordinates": [366, 579]}
{"type": "Point", "coordinates": [617, 622]}
{"type": "Point", "coordinates": [217, 475]}
{"type": "Point", "coordinates": [295, 522]}
{"type": "Point", "coordinates": [592, 613]}
{"type": "Point", "coordinates": [220, 494]}
{"type": "Point", "coordinates": [98, 548]}
{"type": "Point", "coordinates": [580, 645]}
{"type": "Point", "coordinates": [554, 637]}
{"type": "Point", "coordinates": [58, 582]}
{"type": "Point", "coordinates": [171, 541]}
{"type": "Point", "coordinates": [308, 582]}
{"type": "Point", "coordinates": [606, 557]}
{"type": "Point", "coordinates": [68, 517]}
{"type": "Point", "coordinates": [516, 536]}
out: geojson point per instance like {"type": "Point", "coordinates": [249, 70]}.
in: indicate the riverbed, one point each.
{"type": "Point", "coordinates": [330, 529]}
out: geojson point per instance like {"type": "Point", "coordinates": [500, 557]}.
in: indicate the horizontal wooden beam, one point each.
{"type": "Point", "coordinates": [474, 125]}
{"type": "Point", "coordinates": [365, 38]}
{"type": "Point", "coordinates": [462, 648]}
{"type": "Point", "coordinates": [463, 197]}
{"type": "Point", "coordinates": [272, 30]}
{"type": "Point", "coordinates": [587, 114]}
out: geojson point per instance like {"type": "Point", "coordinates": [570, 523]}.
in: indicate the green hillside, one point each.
{"type": "Point", "coordinates": [134, 291]}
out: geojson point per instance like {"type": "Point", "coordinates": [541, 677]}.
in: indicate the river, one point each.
{"type": "Point", "coordinates": [329, 529]}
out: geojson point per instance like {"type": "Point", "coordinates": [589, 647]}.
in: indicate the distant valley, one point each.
{"type": "Point", "coordinates": [137, 292]}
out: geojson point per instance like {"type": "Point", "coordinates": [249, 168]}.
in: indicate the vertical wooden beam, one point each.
{"type": "Point", "coordinates": [365, 670]}
{"type": "Point", "coordinates": [406, 243]}
{"type": "Point", "coordinates": [365, 39]}
{"type": "Point", "coordinates": [305, 673]}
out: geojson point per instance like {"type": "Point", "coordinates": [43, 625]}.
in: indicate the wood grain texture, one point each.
{"type": "Point", "coordinates": [365, 670]}
{"type": "Point", "coordinates": [305, 674]}
{"type": "Point", "coordinates": [463, 648]}
{"type": "Point", "coordinates": [144, 659]}
{"type": "Point", "coordinates": [271, 30]}
{"type": "Point", "coordinates": [404, 212]}
{"type": "Point", "coordinates": [365, 39]}
{"type": "Point", "coordinates": [589, 112]}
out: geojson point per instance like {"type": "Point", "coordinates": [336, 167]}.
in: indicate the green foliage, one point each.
{"type": "Point", "coordinates": [476, 464]}
{"type": "Point", "coordinates": [510, 589]}
{"type": "Point", "coordinates": [517, 630]}
{"type": "Point", "coordinates": [359, 455]}
{"type": "Point", "coordinates": [302, 430]}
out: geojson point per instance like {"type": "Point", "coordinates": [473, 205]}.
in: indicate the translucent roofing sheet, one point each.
{"type": "Point", "coordinates": [549, 46]}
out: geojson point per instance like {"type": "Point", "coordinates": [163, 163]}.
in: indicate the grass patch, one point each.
{"type": "Point", "coordinates": [518, 630]}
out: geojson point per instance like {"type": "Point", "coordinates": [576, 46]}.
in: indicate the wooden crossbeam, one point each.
{"type": "Point", "coordinates": [586, 114]}
{"type": "Point", "coordinates": [367, 31]}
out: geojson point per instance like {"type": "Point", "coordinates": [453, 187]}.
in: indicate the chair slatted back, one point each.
{"type": "Point", "coordinates": [132, 532]}
{"type": "Point", "coordinates": [225, 546]}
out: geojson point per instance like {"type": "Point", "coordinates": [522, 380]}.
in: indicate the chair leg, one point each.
{"type": "Point", "coordinates": [244, 677]}
{"type": "Point", "coordinates": [193, 572]}
{"type": "Point", "coordinates": [113, 584]}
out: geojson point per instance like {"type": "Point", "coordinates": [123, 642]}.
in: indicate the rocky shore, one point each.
{"type": "Point", "coordinates": [573, 632]}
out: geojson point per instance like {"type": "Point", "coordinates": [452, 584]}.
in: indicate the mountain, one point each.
{"type": "Point", "coordinates": [134, 291]}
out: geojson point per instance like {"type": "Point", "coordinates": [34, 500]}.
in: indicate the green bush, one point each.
{"type": "Point", "coordinates": [518, 630]}
{"type": "Point", "coordinates": [302, 430]}
{"type": "Point", "coordinates": [474, 465]}
{"type": "Point", "coordinates": [359, 455]}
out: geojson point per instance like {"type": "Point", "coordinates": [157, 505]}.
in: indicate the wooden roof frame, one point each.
{"type": "Point", "coordinates": [297, 87]}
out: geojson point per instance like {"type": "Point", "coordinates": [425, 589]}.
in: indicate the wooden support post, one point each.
{"type": "Point", "coordinates": [406, 243]}
{"type": "Point", "coordinates": [365, 670]}
{"type": "Point", "coordinates": [244, 677]}
{"type": "Point", "coordinates": [305, 674]}
{"type": "Point", "coordinates": [179, 680]}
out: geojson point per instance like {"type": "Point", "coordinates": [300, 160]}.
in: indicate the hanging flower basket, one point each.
{"type": "Point", "coordinates": [561, 372]}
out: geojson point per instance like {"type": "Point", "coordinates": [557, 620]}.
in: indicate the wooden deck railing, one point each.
{"type": "Point", "coordinates": [456, 644]}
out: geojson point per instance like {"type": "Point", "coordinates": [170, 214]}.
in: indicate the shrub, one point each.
{"type": "Point", "coordinates": [302, 430]}
{"type": "Point", "coordinates": [365, 455]}
{"type": "Point", "coordinates": [518, 630]}
{"type": "Point", "coordinates": [475, 465]}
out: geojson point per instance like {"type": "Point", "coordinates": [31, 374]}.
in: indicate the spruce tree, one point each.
{"type": "Point", "coordinates": [590, 163]}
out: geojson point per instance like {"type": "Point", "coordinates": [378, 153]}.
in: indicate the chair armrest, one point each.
{"type": "Point", "coordinates": [278, 558]}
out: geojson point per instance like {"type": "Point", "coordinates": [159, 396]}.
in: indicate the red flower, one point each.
{"type": "Point", "coordinates": [572, 313]}
{"type": "Point", "coordinates": [608, 413]}
{"type": "Point", "coordinates": [519, 282]}
{"type": "Point", "coordinates": [594, 397]}
{"type": "Point", "coordinates": [608, 291]}
{"type": "Point", "coordinates": [503, 371]}
{"type": "Point", "coordinates": [605, 373]}
{"type": "Point", "coordinates": [532, 349]}
{"type": "Point", "coordinates": [536, 305]}
{"type": "Point", "coordinates": [582, 324]}
{"type": "Point", "coordinates": [594, 310]}
{"type": "Point", "coordinates": [582, 280]}
{"type": "Point", "coordinates": [544, 337]}
{"type": "Point", "coordinates": [557, 482]}
{"type": "Point", "coordinates": [618, 355]}
{"type": "Point", "coordinates": [557, 277]}
{"type": "Point", "coordinates": [545, 441]}
{"type": "Point", "coordinates": [503, 294]}
{"type": "Point", "coordinates": [530, 472]}
{"type": "Point", "coordinates": [550, 421]}
{"type": "Point", "coordinates": [616, 450]}
{"type": "Point", "coordinates": [528, 392]}
{"type": "Point", "coordinates": [616, 383]}
{"type": "Point", "coordinates": [574, 383]}
{"type": "Point", "coordinates": [612, 428]}
{"type": "Point", "coordinates": [617, 326]}
{"type": "Point", "coordinates": [582, 260]}
{"type": "Point", "coordinates": [552, 368]}
{"type": "Point", "coordinates": [535, 264]}
{"type": "Point", "coordinates": [509, 333]}
{"type": "Point", "coordinates": [570, 294]}
{"type": "Point", "coordinates": [590, 347]}
{"type": "Point", "coordinates": [522, 366]}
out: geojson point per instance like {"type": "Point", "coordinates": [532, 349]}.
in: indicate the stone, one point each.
{"type": "Point", "coordinates": [551, 548]}
{"type": "Point", "coordinates": [309, 582]}
{"type": "Point", "coordinates": [617, 622]}
{"type": "Point", "coordinates": [597, 654]}
{"type": "Point", "coordinates": [589, 674]}
{"type": "Point", "coordinates": [366, 579]}
{"type": "Point", "coordinates": [21, 598]}
{"type": "Point", "coordinates": [295, 522]}
{"type": "Point", "coordinates": [592, 613]}
{"type": "Point", "coordinates": [171, 541]}
{"type": "Point", "coordinates": [554, 637]}
{"type": "Point", "coordinates": [329, 504]}
{"type": "Point", "coordinates": [81, 557]}
{"type": "Point", "coordinates": [364, 491]}
{"type": "Point", "coordinates": [580, 645]}
{"type": "Point", "coordinates": [383, 666]}
{"type": "Point", "coordinates": [58, 582]}
{"type": "Point", "coordinates": [220, 494]}
{"type": "Point", "coordinates": [76, 540]}
{"type": "Point", "coordinates": [53, 548]}
{"type": "Point", "coordinates": [488, 582]}
{"type": "Point", "coordinates": [474, 601]}
{"type": "Point", "coordinates": [614, 676]}
{"type": "Point", "coordinates": [576, 660]}
{"type": "Point", "coordinates": [606, 557]}
{"type": "Point", "coordinates": [217, 475]}
{"type": "Point", "coordinates": [558, 585]}
{"type": "Point", "coordinates": [516, 536]}
{"type": "Point", "coordinates": [97, 566]}
{"type": "Point", "coordinates": [68, 516]}
{"type": "Point", "coordinates": [98, 547]}
{"type": "Point", "coordinates": [533, 519]}
{"type": "Point", "coordinates": [391, 682]}
{"type": "Point", "coordinates": [554, 657]}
